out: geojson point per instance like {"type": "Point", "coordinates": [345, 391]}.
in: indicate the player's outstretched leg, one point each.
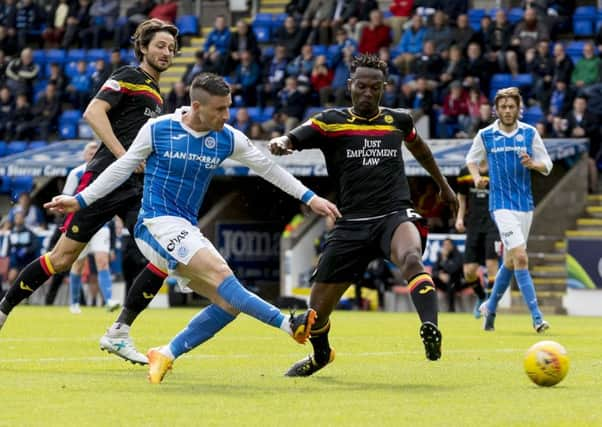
{"type": "Point", "coordinates": [489, 307]}
{"type": "Point", "coordinates": [201, 328]}
{"type": "Point", "coordinates": [117, 339]}
{"type": "Point", "coordinates": [322, 356]}
{"type": "Point", "coordinates": [424, 297]}
{"type": "Point", "coordinates": [525, 284]}
{"type": "Point", "coordinates": [29, 279]}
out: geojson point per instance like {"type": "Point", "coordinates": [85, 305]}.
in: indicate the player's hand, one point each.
{"type": "Point", "coordinates": [481, 182]}
{"type": "Point", "coordinates": [280, 146]}
{"type": "Point", "coordinates": [460, 225]}
{"type": "Point", "coordinates": [448, 197]}
{"type": "Point", "coordinates": [526, 160]}
{"type": "Point", "coordinates": [140, 168]}
{"type": "Point", "coordinates": [323, 207]}
{"type": "Point", "coordinates": [62, 204]}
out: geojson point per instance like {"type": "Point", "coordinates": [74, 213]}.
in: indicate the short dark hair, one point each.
{"type": "Point", "coordinates": [146, 31]}
{"type": "Point", "coordinates": [368, 61]}
{"type": "Point", "coordinates": [210, 83]}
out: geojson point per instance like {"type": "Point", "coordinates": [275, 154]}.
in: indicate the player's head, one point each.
{"type": "Point", "coordinates": [90, 150]}
{"type": "Point", "coordinates": [210, 100]}
{"type": "Point", "coordinates": [155, 43]}
{"type": "Point", "coordinates": [507, 105]}
{"type": "Point", "coordinates": [366, 84]}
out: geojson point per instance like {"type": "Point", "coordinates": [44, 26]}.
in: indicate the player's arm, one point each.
{"type": "Point", "coordinates": [474, 157]}
{"type": "Point", "coordinates": [540, 161]}
{"type": "Point", "coordinates": [96, 115]}
{"type": "Point", "coordinates": [461, 213]}
{"type": "Point", "coordinates": [306, 135]}
{"type": "Point", "coordinates": [111, 178]}
{"type": "Point", "coordinates": [247, 154]}
{"type": "Point", "coordinates": [423, 155]}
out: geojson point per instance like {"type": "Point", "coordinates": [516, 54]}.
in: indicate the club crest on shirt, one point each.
{"type": "Point", "coordinates": [182, 251]}
{"type": "Point", "coordinates": [388, 119]}
{"type": "Point", "coordinates": [520, 138]}
{"type": "Point", "coordinates": [112, 85]}
{"type": "Point", "coordinates": [210, 142]}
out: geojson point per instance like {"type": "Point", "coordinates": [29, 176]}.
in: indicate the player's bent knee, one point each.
{"type": "Point", "coordinates": [410, 260]}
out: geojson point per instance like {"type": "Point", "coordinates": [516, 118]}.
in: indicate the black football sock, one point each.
{"type": "Point", "coordinates": [143, 290]}
{"type": "Point", "coordinates": [31, 278]}
{"type": "Point", "coordinates": [319, 340]}
{"type": "Point", "coordinates": [477, 287]}
{"type": "Point", "coordinates": [490, 283]}
{"type": "Point", "coordinates": [424, 297]}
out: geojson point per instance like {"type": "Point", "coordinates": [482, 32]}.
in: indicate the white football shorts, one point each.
{"type": "Point", "coordinates": [513, 226]}
{"type": "Point", "coordinates": [100, 242]}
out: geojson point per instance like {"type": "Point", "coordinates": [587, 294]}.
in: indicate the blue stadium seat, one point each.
{"type": "Point", "coordinates": [575, 50]}
{"type": "Point", "coordinates": [67, 130]}
{"type": "Point", "coordinates": [233, 112]}
{"type": "Point", "coordinates": [263, 20]}
{"type": "Point", "coordinates": [278, 20]}
{"type": "Point", "coordinates": [515, 14]}
{"type": "Point", "coordinates": [583, 21]}
{"type": "Point", "coordinates": [15, 147]}
{"type": "Point", "coordinates": [262, 32]}
{"type": "Point", "coordinates": [70, 69]}
{"type": "Point", "coordinates": [19, 185]}
{"type": "Point", "coordinates": [533, 115]}
{"type": "Point", "coordinates": [267, 113]}
{"type": "Point", "coordinates": [37, 144]}
{"type": "Point", "coordinates": [76, 55]}
{"type": "Point", "coordinates": [56, 55]}
{"type": "Point", "coordinates": [492, 12]}
{"type": "Point", "coordinates": [188, 25]}
{"type": "Point", "coordinates": [267, 52]}
{"type": "Point", "coordinates": [3, 147]}
{"type": "Point", "coordinates": [254, 113]}
{"type": "Point", "coordinates": [96, 54]}
{"type": "Point", "coordinates": [71, 115]}
{"type": "Point", "coordinates": [499, 81]}
{"type": "Point", "coordinates": [39, 86]}
{"type": "Point", "coordinates": [522, 80]}
{"type": "Point", "coordinates": [39, 57]}
{"type": "Point", "coordinates": [319, 49]}
{"type": "Point", "coordinates": [84, 130]}
{"type": "Point", "coordinates": [474, 18]}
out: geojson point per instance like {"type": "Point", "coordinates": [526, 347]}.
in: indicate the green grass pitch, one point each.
{"type": "Point", "coordinates": [52, 373]}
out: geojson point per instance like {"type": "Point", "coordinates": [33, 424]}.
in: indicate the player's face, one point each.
{"type": "Point", "coordinates": [507, 110]}
{"type": "Point", "coordinates": [366, 87]}
{"type": "Point", "coordinates": [160, 51]}
{"type": "Point", "coordinates": [215, 112]}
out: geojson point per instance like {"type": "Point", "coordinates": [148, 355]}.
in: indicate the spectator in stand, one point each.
{"type": "Point", "coordinates": [165, 10]}
{"type": "Point", "coordinates": [343, 10]}
{"type": "Point", "coordinates": [431, 207]}
{"type": "Point", "coordinates": [454, 8]}
{"type": "Point", "coordinates": [274, 80]}
{"type": "Point", "coordinates": [439, 33]}
{"type": "Point", "coordinates": [563, 65]}
{"type": "Point", "coordinates": [246, 78]}
{"type": "Point", "coordinates": [462, 34]}
{"type": "Point", "coordinates": [6, 107]}
{"type": "Point", "coordinates": [56, 23]}
{"type": "Point", "coordinates": [242, 40]}
{"type": "Point", "coordinates": [456, 67]}
{"type": "Point", "coordinates": [79, 89]}
{"type": "Point", "coordinates": [176, 98]}
{"type": "Point", "coordinates": [428, 65]}
{"type": "Point", "coordinates": [478, 70]}
{"type": "Point", "coordinates": [484, 120]}
{"type": "Point", "coordinates": [20, 119]}
{"type": "Point", "coordinates": [242, 121]}
{"type": "Point", "coordinates": [390, 97]}
{"type": "Point", "coordinates": [401, 10]}
{"type": "Point", "coordinates": [319, 14]}
{"type": "Point", "coordinates": [302, 66]}
{"type": "Point", "coordinates": [135, 14]}
{"type": "Point", "coordinates": [321, 78]}
{"type": "Point", "coordinates": [3, 66]}
{"type": "Point", "coordinates": [406, 95]}
{"type": "Point", "coordinates": [33, 215]}
{"type": "Point", "coordinates": [482, 35]}
{"type": "Point", "coordinates": [8, 44]}
{"type": "Point", "coordinates": [296, 8]}
{"type": "Point", "coordinates": [560, 100]}
{"type": "Point", "coordinates": [22, 72]}
{"type": "Point", "coordinates": [100, 75]}
{"type": "Point", "coordinates": [375, 34]}
{"type": "Point", "coordinates": [8, 20]}
{"type": "Point", "coordinates": [46, 112]}
{"type": "Point", "coordinates": [337, 91]}
{"type": "Point", "coordinates": [216, 46]}
{"type": "Point", "coordinates": [194, 69]}
{"type": "Point", "coordinates": [587, 69]}
{"type": "Point", "coordinates": [29, 18]}
{"type": "Point", "coordinates": [529, 31]}
{"type": "Point", "coordinates": [410, 45]}
{"type": "Point", "coordinates": [540, 64]}
{"type": "Point", "coordinates": [474, 101]}
{"type": "Point", "coordinates": [57, 77]}
{"type": "Point", "coordinates": [292, 36]}
{"type": "Point", "coordinates": [447, 271]}
{"type": "Point", "coordinates": [23, 245]}
{"type": "Point", "coordinates": [116, 61]}
{"type": "Point", "coordinates": [584, 124]}
{"type": "Point", "coordinates": [497, 50]}
{"type": "Point", "coordinates": [78, 20]}
{"type": "Point", "coordinates": [342, 41]}
{"type": "Point", "coordinates": [384, 54]}
{"type": "Point", "coordinates": [289, 109]}
{"type": "Point", "coordinates": [454, 112]}
{"type": "Point", "coordinates": [363, 9]}
{"type": "Point", "coordinates": [256, 132]}
{"type": "Point", "coordinates": [103, 16]}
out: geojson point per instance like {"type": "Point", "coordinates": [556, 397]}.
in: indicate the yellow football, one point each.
{"type": "Point", "coordinates": [546, 363]}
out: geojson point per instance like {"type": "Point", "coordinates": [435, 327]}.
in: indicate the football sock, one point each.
{"type": "Point", "coordinates": [424, 297]}
{"type": "Point", "coordinates": [105, 284]}
{"type": "Point", "coordinates": [31, 278]}
{"type": "Point", "coordinates": [502, 281]}
{"type": "Point", "coordinates": [75, 287]}
{"type": "Point", "coordinates": [490, 282]}
{"type": "Point", "coordinates": [319, 340]}
{"type": "Point", "coordinates": [241, 299]}
{"type": "Point", "coordinates": [201, 327]}
{"type": "Point", "coordinates": [525, 284]}
{"type": "Point", "coordinates": [477, 288]}
{"type": "Point", "coordinates": [143, 290]}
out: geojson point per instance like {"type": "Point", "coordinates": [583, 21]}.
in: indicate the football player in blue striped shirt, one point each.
{"type": "Point", "coordinates": [512, 149]}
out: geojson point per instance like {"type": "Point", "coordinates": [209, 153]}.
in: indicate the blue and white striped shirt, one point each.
{"type": "Point", "coordinates": [180, 164]}
{"type": "Point", "coordinates": [510, 181]}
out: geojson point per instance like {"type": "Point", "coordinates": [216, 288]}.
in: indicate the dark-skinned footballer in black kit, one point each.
{"type": "Point", "coordinates": [362, 146]}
